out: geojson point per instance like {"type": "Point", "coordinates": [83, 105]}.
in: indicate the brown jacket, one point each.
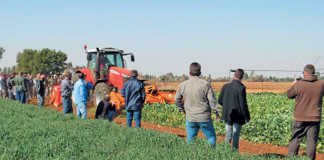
{"type": "Point", "coordinates": [309, 94]}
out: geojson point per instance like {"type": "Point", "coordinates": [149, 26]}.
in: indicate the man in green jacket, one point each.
{"type": "Point", "coordinates": [19, 84]}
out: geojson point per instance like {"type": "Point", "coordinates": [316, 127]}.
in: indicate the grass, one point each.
{"type": "Point", "coordinates": [29, 132]}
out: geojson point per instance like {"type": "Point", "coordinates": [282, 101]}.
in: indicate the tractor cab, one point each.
{"type": "Point", "coordinates": [101, 59]}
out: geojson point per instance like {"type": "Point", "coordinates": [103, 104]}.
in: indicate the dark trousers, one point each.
{"type": "Point", "coordinates": [300, 130]}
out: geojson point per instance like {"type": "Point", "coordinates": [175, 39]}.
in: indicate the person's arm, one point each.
{"type": "Point", "coordinates": [292, 91]}
{"type": "Point", "coordinates": [178, 99]}
{"type": "Point", "coordinates": [244, 105]}
{"type": "Point", "coordinates": [221, 96]}
{"type": "Point", "coordinates": [123, 91]}
{"type": "Point", "coordinates": [215, 107]}
{"type": "Point", "coordinates": [83, 92]}
{"type": "Point", "coordinates": [143, 95]}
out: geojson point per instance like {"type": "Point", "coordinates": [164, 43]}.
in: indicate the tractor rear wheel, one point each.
{"type": "Point", "coordinates": [100, 91]}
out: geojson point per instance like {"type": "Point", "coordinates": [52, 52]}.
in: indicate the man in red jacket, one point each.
{"type": "Point", "coordinates": [308, 93]}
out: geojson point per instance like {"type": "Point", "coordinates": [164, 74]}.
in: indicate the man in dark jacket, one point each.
{"type": "Point", "coordinates": [308, 93]}
{"type": "Point", "coordinates": [40, 90]}
{"type": "Point", "coordinates": [235, 108]}
{"type": "Point", "coordinates": [105, 110]}
{"type": "Point", "coordinates": [134, 93]}
{"type": "Point", "coordinates": [66, 92]}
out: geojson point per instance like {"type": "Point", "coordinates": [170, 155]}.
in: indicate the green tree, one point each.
{"type": "Point", "coordinates": [25, 60]}
{"type": "Point", "coordinates": [45, 61]}
{"type": "Point", "coordinates": [2, 50]}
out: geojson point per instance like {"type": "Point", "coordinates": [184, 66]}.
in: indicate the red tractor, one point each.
{"type": "Point", "coordinates": [105, 70]}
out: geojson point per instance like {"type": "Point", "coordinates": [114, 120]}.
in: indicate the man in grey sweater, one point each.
{"type": "Point", "coordinates": [198, 103]}
{"type": "Point", "coordinates": [66, 92]}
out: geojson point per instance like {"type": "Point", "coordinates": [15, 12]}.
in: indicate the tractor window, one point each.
{"type": "Point", "coordinates": [92, 61]}
{"type": "Point", "coordinates": [113, 60]}
{"type": "Point", "coordinates": [119, 61]}
{"type": "Point", "coordinates": [108, 59]}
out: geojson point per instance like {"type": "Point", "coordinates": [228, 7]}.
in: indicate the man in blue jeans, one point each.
{"type": "Point", "coordinates": [81, 96]}
{"type": "Point", "coordinates": [195, 97]}
{"type": "Point", "coordinates": [134, 93]}
{"type": "Point", "coordinates": [66, 92]}
{"type": "Point", "coordinates": [235, 109]}
{"type": "Point", "coordinates": [40, 89]}
{"type": "Point", "coordinates": [20, 86]}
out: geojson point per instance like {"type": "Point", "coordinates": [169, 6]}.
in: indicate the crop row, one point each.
{"type": "Point", "coordinates": [29, 132]}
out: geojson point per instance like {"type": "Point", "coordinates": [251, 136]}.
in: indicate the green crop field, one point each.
{"type": "Point", "coordinates": [29, 132]}
{"type": "Point", "coordinates": [271, 119]}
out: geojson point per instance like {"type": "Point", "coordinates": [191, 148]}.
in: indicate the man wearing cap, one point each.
{"type": "Point", "coordinates": [195, 97]}
{"type": "Point", "coordinates": [81, 96]}
{"type": "Point", "coordinates": [235, 109]}
{"type": "Point", "coordinates": [308, 93]}
{"type": "Point", "coordinates": [66, 93]}
{"type": "Point", "coordinates": [40, 90]}
{"type": "Point", "coordinates": [134, 93]}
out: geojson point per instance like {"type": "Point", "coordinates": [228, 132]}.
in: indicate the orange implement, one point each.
{"type": "Point", "coordinates": [153, 95]}
{"type": "Point", "coordinates": [117, 99]}
{"type": "Point", "coordinates": [56, 97]}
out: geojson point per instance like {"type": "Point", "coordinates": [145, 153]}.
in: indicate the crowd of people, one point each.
{"type": "Point", "coordinates": [23, 86]}
{"type": "Point", "coordinates": [194, 97]}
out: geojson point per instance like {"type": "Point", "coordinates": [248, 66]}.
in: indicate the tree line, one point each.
{"type": "Point", "coordinates": [45, 61]}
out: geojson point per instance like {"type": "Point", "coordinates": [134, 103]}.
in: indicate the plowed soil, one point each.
{"type": "Point", "coordinates": [246, 147]}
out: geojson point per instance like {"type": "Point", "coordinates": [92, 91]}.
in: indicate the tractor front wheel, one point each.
{"type": "Point", "coordinates": [101, 90]}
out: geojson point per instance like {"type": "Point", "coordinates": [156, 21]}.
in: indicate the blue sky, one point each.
{"type": "Point", "coordinates": [166, 36]}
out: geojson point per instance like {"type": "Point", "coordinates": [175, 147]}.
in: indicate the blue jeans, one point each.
{"type": "Point", "coordinates": [40, 100]}
{"type": "Point", "coordinates": [82, 110]}
{"type": "Point", "coordinates": [111, 116]}
{"type": "Point", "coordinates": [233, 132]}
{"type": "Point", "coordinates": [137, 116]}
{"type": "Point", "coordinates": [20, 95]}
{"type": "Point", "coordinates": [10, 94]}
{"type": "Point", "coordinates": [67, 105]}
{"type": "Point", "coordinates": [206, 127]}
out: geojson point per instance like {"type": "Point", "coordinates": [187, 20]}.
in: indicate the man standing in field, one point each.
{"type": "Point", "coordinates": [199, 102]}
{"type": "Point", "coordinates": [308, 93]}
{"type": "Point", "coordinates": [20, 87]}
{"type": "Point", "coordinates": [235, 109]}
{"type": "Point", "coordinates": [134, 93]}
{"type": "Point", "coordinates": [10, 86]}
{"type": "Point", "coordinates": [81, 96]}
{"type": "Point", "coordinates": [66, 92]}
{"type": "Point", "coordinates": [40, 90]}
{"type": "Point", "coordinates": [3, 86]}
